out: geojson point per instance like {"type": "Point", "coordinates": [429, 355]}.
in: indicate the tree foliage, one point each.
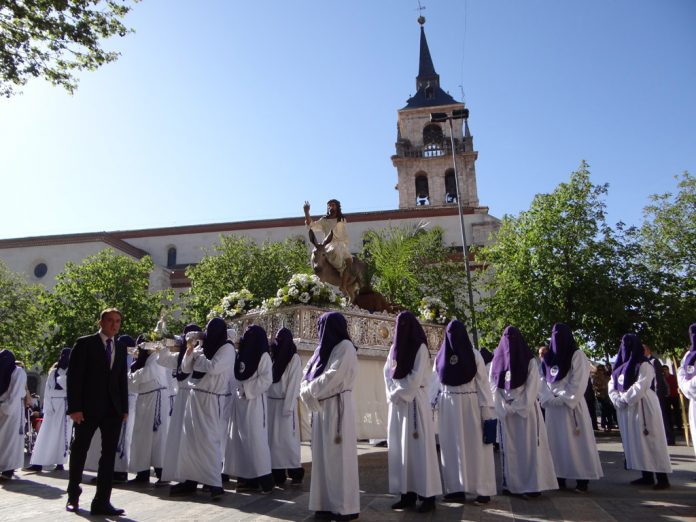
{"type": "Point", "coordinates": [102, 281]}
{"type": "Point", "coordinates": [23, 321]}
{"type": "Point", "coordinates": [407, 263]}
{"type": "Point", "coordinates": [559, 262]}
{"type": "Point", "coordinates": [239, 262]}
{"type": "Point", "coordinates": [54, 39]}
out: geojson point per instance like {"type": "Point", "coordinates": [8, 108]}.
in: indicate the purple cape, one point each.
{"type": "Point", "coordinates": [332, 328]}
{"type": "Point", "coordinates": [215, 337]}
{"type": "Point", "coordinates": [191, 327]}
{"type": "Point", "coordinates": [511, 360]}
{"type": "Point", "coordinates": [556, 361]}
{"type": "Point", "coordinates": [690, 359]}
{"type": "Point", "coordinates": [408, 337]}
{"type": "Point", "coordinates": [631, 355]}
{"type": "Point", "coordinates": [252, 345]}
{"type": "Point", "coordinates": [282, 350]}
{"type": "Point", "coordinates": [455, 362]}
{"type": "Point", "coordinates": [7, 366]}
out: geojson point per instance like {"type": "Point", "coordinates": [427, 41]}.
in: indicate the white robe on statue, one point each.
{"type": "Point", "coordinates": [247, 454]}
{"type": "Point", "coordinates": [637, 410]}
{"type": "Point", "coordinates": [53, 442]}
{"type": "Point", "coordinates": [12, 422]}
{"type": "Point", "coordinates": [413, 465]}
{"type": "Point", "coordinates": [334, 485]}
{"type": "Point", "coordinates": [524, 446]}
{"type": "Point", "coordinates": [151, 422]}
{"type": "Point", "coordinates": [200, 452]}
{"type": "Point", "coordinates": [170, 465]}
{"type": "Point", "coordinates": [283, 420]}
{"type": "Point", "coordinates": [571, 438]}
{"type": "Point", "coordinates": [688, 388]}
{"type": "Point", "coordinates": [467, 463]}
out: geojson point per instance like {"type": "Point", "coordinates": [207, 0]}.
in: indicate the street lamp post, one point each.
{"type": "Point", "coordinates": [440, 117]}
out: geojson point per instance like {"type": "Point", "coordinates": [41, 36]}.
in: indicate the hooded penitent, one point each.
{"type": "Point", "coordinates": [282, 350]}
{"type": "Point", "coordinates": [252, 345]}
{"type": "Point", "coordinates": [690, 360]}
{"type": "Point", "coordinates": [332, 328]}
{"type": "Point", "coordinates": [455, 362]}
{"type": "Point", "coordinates": [62, 364]}
{"type": "Point", "coordinates": [408, 336]}
{"type": "Point", "coordinates": [215, 337]}
{"type": "Point", "coordinates": [511, 360]}
{"type": "Point", "coordinates": [7, 366]}
{"type": "Point", "coordinates": [556, 361]}
{"type": "Point", "coordinates": [142, 355]}
{"type": "Point", "coordinates": [628, 361]}
{"type": "Point", "coordinates": [191, 327]}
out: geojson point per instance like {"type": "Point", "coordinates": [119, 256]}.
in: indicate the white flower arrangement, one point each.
{"type": "Point", "coordinates": [433, 310]}
{"type": "Point", "coordinates": [233, 305]}
{"type": "Point", "coordinates": [304, 289]}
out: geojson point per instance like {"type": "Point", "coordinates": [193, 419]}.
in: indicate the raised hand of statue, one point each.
{"type": "Point", "coordinates": [306, 207]}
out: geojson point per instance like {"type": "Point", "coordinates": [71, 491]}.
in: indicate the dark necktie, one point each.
{"type": "Point", "coordinates": [108, 352]}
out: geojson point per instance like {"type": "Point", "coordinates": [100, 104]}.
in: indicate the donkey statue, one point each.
{"type": "Point", "coordinates": [326, 272]}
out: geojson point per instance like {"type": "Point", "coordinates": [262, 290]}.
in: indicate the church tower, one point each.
{"type": "Point", "coordinates": [423, 158]}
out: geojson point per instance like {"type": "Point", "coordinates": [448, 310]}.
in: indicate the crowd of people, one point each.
{"type": "Point", "coordinates": [211, 411]}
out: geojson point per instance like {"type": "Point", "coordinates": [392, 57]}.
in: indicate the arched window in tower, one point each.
{"type": "Point", "coordinates": [171, 257]}
{"type": "Point", "coordinates": [432, 141]}
{"type": "Point", "coordinates": [422, 193]}
{"type": "Point", "coordinates": [450, 187]}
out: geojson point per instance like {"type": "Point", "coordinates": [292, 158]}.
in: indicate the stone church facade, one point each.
{"type": "Point", "coordinates": [427, 188]}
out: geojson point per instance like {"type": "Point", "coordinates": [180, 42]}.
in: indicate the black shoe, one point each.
{"type": "Point", "coordinates": [532, 494]}
{"type": "Point", "coordinates": [182, 489]}
{"type": "Point", "coordinates": [7, 474]}
{"type": "Point", "coordinates": [142, 477]}
{"type": "Point", "coordinates": [161, 483]}
{"type": "Point", "coordinates": [427, 505]}
{"type": "Point", "coordinates": [661, 485]}
{"type": "Point", "coordinates": [106, 510]}
{"type": "Point", "coordinates": [642, 481]}
{"type": "Point", "coordinates": [582, 486]}
{"type": "Point", "coordinates": [59, 467]}
{"type": "Point", "coordinates": [225, 477]}
{"type": "Point", "coordinates": [407, 501]}
{"type": "Point", "coordinates": [216, 492]}
{"type": "Point", "coordinates": [323, 515]}
{"type": "Point", "coordinates": [350, 516]}
{"type": "Point", "coordinates": [561, 483]}
{"type": "Point", "coordinates": [459, 496]}
{"type": "Point", "coordinates": [72, 506]}
{"type": "Point", "coordinates": [481, 500]}
{"type": "Point", "coordinates": [35, 468]}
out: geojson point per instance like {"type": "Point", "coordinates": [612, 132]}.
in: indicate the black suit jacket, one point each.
{"type": "Point", "coordinates": [93, 388]}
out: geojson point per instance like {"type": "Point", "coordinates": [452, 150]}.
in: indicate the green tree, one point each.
{"type": "Point", "coordinates": [668, 241]}
{"type": "Point", "coordinates": [558, 262]}
{"type": "Point", "coordinates": [407, 263]}
{"type": "Point", "coordinates": [101, 281]}
{"type": "Point", "coordinates": [23, 325]}
{"type": "Point", "coordinates": [55, 39]}
{"type": "Point", "coordinates": [239, 262]}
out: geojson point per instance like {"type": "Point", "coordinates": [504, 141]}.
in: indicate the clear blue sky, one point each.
{"type": "Point", "coordinates": [228, 111]}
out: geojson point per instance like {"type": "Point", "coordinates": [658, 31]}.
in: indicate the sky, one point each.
{"type": "Point", "coordinates": [223, 111]}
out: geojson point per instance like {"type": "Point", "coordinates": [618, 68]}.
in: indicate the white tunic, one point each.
{"type": "Point", "coordinates": [247, 454]}
{"type": "Point", "coordinates": [638, 409]}
{"type": "Point", "coordinates": [283, 420]}
{"type": "Point", "coordinates": [53, 441]}
{"type": "Point", "coordinates": [200, 454]}
{"type": "Point", "coordinates": [413, 465]}
{"type": "Point", "coordinates": [571, 438]}
{"type": "Point", "coordinates": [334, 485]}
{"type": "Point", "coordinates": [524, 446]}
{"type": "Point", "coordinates": [688, 388]}
{"type": "Point", "coordinates": [170, 465]}
{"type": "Point", "coordinates": [12, 422]}
{"type": "Point", "coordinates": [467, 463]}
{"type": "Point", "coordinates": [151, 420]}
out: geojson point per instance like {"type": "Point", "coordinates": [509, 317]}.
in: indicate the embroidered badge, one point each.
{"type": "Point", "coordinates": [621, 379]}
{"type": "Point", "coordinates": [690, 368]}
{"type": "Point", "coordinates": [242, 366]}
{"type": "Point", "coordinates": [454, 359]}
{"type": "Point", "coordinates": [508, 376]}
{"type": "Point", "coordinates": [553, 371]}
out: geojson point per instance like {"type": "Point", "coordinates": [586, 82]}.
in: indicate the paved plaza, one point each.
{"type": "Point", "coordinates": [32, 496]}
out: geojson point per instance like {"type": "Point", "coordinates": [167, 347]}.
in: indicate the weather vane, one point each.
{"type": "Point", "coordinates": [420, 9]}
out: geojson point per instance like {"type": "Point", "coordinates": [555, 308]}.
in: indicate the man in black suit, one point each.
{"type": "Point", "coordinates": [97, 399]}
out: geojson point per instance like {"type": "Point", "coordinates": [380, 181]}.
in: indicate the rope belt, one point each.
{"type": "Point", "coordinates": [339, 438]}
{"type": "Point", "coordinates": [158, 407]}
{"type": "Point", "coordinates": [218, 395]}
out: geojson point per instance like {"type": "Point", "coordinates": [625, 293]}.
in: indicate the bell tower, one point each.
{"type": "Point", "coordinates": [423, 158]}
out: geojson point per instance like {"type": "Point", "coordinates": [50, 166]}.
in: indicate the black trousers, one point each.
{"type": "Point", "coordinates": [110, 428]}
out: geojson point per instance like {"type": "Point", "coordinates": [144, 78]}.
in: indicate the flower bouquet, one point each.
{"type": "Point", "coordinates": [305, 289]}
{"type": "Point", "coordinates": [433, 310]}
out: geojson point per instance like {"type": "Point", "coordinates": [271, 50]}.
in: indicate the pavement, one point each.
{"type": "Point", "coordinates": [41, 496]}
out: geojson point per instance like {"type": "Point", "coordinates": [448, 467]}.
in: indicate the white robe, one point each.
{"type": "Point", "coordinates": [247, 454]}
{"type": "Point", "coordinates": [413, 465]}
{"type": "Point", "coordinates": [334, 485]}
{"type": "Point", "coordinates": [151, 383]}
{"type": "Point", "coordinates": [571, 437]}
{"type": "Point", "coordinates": [200, 452]}
{"type": "Point", "coordinates": [638, 409]}
{"type": "Point", "coordinates": [170, 466]}
{"type": "Point", "coordinates": [467, 463]}
{"type": "Point", "coordinates": [524, 446]}
{"type": "Point", "coordinates": [12, 422]}
{"type": "Point", "coordinates": [53, 442]}
{"type": "Point", "coordinates": [283, 420]}
{"type": "Point", "coordinates": [688, 388]}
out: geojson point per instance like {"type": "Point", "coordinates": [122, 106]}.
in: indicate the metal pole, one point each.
{"type": "Point", "coordinates": [465, 248]}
